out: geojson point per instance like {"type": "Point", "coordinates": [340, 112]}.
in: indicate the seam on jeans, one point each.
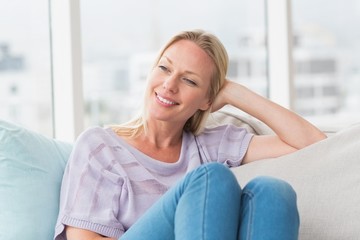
{"type": "Point", "coordinates": [251, 206]}
{"type": "Point", "coordinates": [205, 202]}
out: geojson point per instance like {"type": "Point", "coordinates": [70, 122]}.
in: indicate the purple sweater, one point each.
{"type": "Point", "coordinates": [108, 184]}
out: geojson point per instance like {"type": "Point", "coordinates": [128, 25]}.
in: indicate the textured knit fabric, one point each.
{"type": "Point", "coordinates": [108, 184]}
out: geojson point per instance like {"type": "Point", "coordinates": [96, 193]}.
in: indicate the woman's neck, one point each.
{"type": "Point", "coordinates": [162, 135]}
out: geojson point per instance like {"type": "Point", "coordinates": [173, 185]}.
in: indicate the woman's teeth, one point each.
{"type": "Point", "coordinates": [163, 100]}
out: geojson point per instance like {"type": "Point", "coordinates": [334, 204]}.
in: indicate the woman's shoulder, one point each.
{"type": "Point", "coordinates": [95, 143]}
{"type": "Point", "coordinates": [93, 129]}
{"type": "Point", "coordinates": [226, 144]}
{"type": "Point", "coordinates": [223, 129]}
{"type": "Point", "coordinates": [95, 135]}
{"type": "Point", "coordinates": [223, 133]}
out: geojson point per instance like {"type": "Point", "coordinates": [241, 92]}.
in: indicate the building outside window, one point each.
{"type": "Point", "coordinates": [327, 60]}
{"type": "Point", "coordinates": [120, 40]}
{"type": "Point", "coordinates": [25, 76]}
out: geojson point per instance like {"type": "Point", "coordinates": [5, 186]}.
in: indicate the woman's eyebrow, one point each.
{"type": "Point", "coordinates": [187, 71]}
{"type": "Point", "coordinates": [167, 59]}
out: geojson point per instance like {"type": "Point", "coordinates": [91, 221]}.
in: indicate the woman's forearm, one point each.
{"type": "Point", "coordinates": [73, 233]}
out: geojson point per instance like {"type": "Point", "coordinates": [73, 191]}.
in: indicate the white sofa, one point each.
{"type": "Point", "coordinates": [326, 177]}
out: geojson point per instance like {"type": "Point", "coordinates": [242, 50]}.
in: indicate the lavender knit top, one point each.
{"type": "Point", "coordinates": [108, 184]}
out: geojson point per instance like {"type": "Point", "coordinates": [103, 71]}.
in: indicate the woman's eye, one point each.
{"type": "Point", "coordinates": [190, 82]}
{"type": "Point", "coordinates": [163, 68]}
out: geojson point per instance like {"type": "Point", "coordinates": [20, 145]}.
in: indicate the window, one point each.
{"type": "Point", "coordinates": [121, 38]}
{"type": "Point", "coordinates": [326, 58]}
{"type": "Point", "coordinates": [25, 76]}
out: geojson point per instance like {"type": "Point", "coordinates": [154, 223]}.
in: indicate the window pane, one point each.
{"type": "Point", "coordinates": [25, 92]}
{"type": "Point", "coordinates": [121, 39]}
{"type": "Point", "coordinates": [326, 58]}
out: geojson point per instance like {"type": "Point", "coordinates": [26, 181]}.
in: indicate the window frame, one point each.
{"type": "Point", "coordinates": [68, 100]}
{"type": "Point", "coordinates": [66, 57]}
{"type": "Point", "coordinates": [280, 59]}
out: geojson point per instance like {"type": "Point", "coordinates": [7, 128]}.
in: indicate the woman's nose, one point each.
{"type": "Point", "coordinates": [170, 84]}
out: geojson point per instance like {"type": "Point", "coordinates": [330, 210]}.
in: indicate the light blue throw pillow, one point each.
{"type": "Point", "coordinates": [31, 170]}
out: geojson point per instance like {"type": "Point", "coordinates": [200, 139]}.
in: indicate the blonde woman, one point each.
{"type": "Point", "coordinates": [164, 176]}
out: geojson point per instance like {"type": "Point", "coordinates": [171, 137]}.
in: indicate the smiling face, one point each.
{"type": "Point", "coordinates": [179, 83]}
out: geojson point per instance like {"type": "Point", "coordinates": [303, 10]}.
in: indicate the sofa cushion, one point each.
{"type": "Point", "coordinates": [326, 178]}
{"type": "Point", "coordinates": [31, 169]}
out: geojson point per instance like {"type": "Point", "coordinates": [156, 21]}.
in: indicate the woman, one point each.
{"type": "Point", "coordinates": [162, 176]}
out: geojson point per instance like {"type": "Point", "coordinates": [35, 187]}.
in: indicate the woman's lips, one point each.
{"type": "Point", "coordinates": [165, 101]}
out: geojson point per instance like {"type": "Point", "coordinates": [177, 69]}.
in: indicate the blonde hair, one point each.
{"type": "Point", "coordinates": [216, 51]}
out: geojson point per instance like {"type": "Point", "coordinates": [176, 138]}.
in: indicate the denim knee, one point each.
{"type": "Point", "coordinates": [218, 174]}
{"type": "Point", "coordinates": [269, 210]}
{"type": "Point", "coordinates": [220, 171]}
{"type": "Point", "coordinates": [273, 189]}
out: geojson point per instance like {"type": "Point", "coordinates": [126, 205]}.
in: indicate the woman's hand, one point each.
{"type": "Point", "coordinates": [220, 100]}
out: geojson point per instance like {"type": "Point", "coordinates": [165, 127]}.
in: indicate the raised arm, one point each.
{"type": "Point", "coordinates": [292, 131]}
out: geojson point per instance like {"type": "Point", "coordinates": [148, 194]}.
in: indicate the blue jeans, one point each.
{"type": "Point", "coordinates": [209, 204]}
